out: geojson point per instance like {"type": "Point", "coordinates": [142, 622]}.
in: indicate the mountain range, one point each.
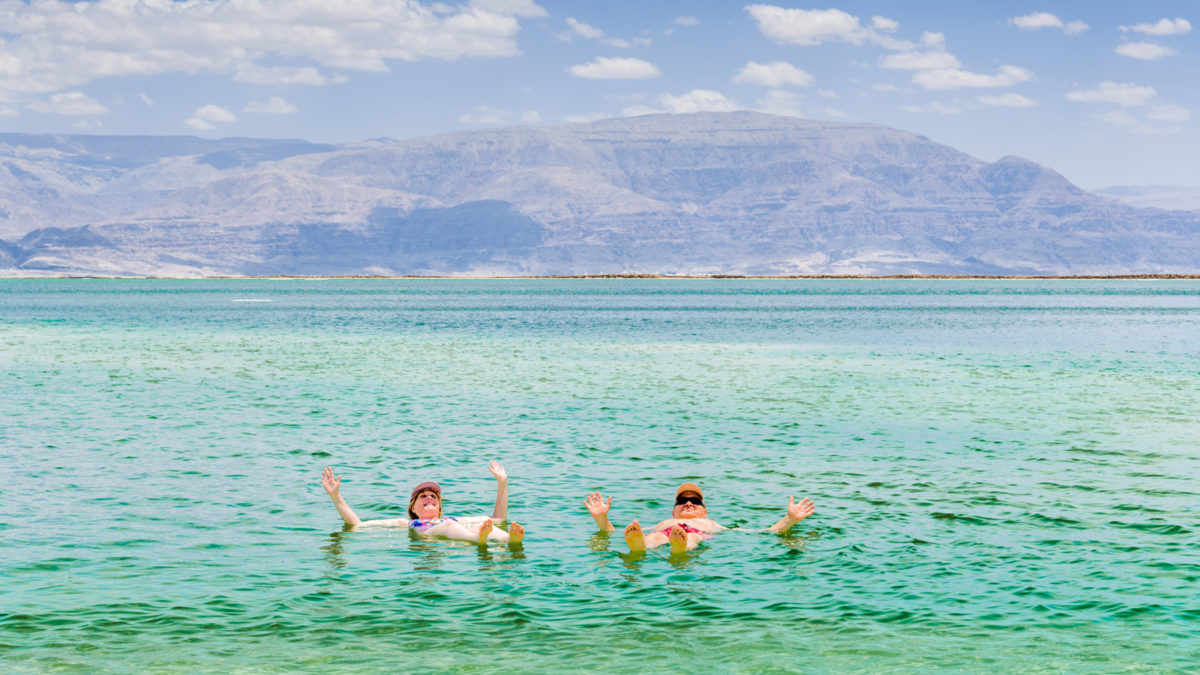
{"type": "Point", "coordinates": [706, 193]}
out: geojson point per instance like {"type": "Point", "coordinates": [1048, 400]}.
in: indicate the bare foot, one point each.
{"type": "Point", "coordinates": [484, 531]}
{"type": "Point", "coordinates": [516, 534]}
{"type": "Point", "coordinates": [678, 539]}
{"type": "Point", "coordinates": [634, 536]}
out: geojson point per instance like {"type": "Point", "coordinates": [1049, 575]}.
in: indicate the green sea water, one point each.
{"type": "Point", "coordinates": [1005, 474]}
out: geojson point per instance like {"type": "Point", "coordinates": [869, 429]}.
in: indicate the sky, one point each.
{"type": "Point", "coordinates": [1103, 92]}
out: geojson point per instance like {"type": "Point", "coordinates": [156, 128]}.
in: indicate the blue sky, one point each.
{"type": "Point", "coordinates": [1102, 91]}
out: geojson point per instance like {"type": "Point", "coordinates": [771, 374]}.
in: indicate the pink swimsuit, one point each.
{"type": "Point", "coordinates": [688, 529]}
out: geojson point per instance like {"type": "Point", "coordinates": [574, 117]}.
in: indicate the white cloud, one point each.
{"type": "Point", "coordinates": [10, 66]}
{"type": "Point", "coordinates": [208, 116]}
{"type": "Point", "coordinates": [88, 124]}
{"type": "Point", "coordinates": [931, 60]}
{"type": "Point", "coordinates": [697, 100]}
{"type": "Point", "coordinates": [1114, 92]}
{"type": "Point", "coordinates": [884, 24]}
{"type": "Point", "coordinates": [884, 86]}
{"type": "Point", "coordinates": [584, 30]}
{"type": "Point", "coordinates": [531, 117]}
{"type": "Point", "coordinates": [1163, 27]}
{"type": "Point", "coordinates": [146, 99]}
{"type": "Point", "coordinates": [214, 113]}
{"type": "Point", "coordinates": [69, 103]}
{"type": "Point", "coordinates": [953, 78]}
{"type": "Point", "coordinates": [1009, 100]}
{"type": "Point", "coordinates": [6, 111]}
{"type": "Point", "coordinates": [775, 74]}
{"type": "Point", "coordinates": [807, 27]}
{"type": "Point", "coordinates": [1146, 51]}
{"type": "Point", "coordinates": [526, 8]}
{"type": "Point", "coordinates": [1046, 20]}
{"type": "Point", "coordinates": [584, 119]}
{"type": "Point", "coordinates": [60, 44]}
{"type": "Point", "coordinates": [1075, 27]}
{"type": "Point", "coordinates": [275, 106]}
{"type": "Point", "coordinates": [590, 32]}
{"type": "Point", "coordinates": [615, 68]}
{"type": "Point", "coordinates": [1169, 113]}
{"type": "Point", "coordinates": [933, 40]}
{"type": "Point", "coordinates": [686, 21]}
{"type": "Point", "coordinates": [1036, 20]}
{"type": "Point", "coordinates": [251, 73]}
{"type": "Point", "coordinates": [485, 115]}
{"type": "Point", "coordinates": [827, 93]}
{"type": "Point", "coordinates": [810, 27]}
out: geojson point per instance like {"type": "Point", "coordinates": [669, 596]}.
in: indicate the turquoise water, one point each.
{"type": "Point", "coordinates": [1004, 471]}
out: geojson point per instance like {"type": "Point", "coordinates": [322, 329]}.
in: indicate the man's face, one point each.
{"type": "Point", "coordinates": [689, 505]}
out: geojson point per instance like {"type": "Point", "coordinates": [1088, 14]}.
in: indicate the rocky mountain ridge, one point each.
{"type": "Point", "coordinates": [727, 193]}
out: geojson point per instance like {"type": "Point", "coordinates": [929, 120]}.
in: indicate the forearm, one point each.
{"type": "Point", "coordinates": [501, 511]}
{"type": "Point", "coordinates": [783, 525]}
{"type": "Point", "coordinates": [603, 524]}
{"type": "Point", "coordinates": [344, 510]}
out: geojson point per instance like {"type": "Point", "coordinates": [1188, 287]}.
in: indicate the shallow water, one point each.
{"type": "Point", "coordinates": [1004, 474]}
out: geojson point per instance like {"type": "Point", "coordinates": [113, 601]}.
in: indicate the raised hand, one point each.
{"type": "Point", "coordinates": [799, 510]}
{"type": "Point", "coordinates": [330, 483]}
{"type": "Point", "coordinates": [498, 471]}
{"type": "Point", "coordinates": [597, 506]}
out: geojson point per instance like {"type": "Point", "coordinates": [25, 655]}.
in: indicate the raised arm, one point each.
{"type": "Point", "coordinates": [796, 512]}
{"type": "Point", "coordinates": [501, 510]}
{"type": "Point", "coordinates": [333, 486]}
{"type": "Point", "coordinates": [598, 507]}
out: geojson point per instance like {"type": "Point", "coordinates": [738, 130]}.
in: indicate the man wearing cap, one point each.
{"type": "Point", "coordinates": [689, 523]}
{"type": "Point", "coordinates": [425, 512]}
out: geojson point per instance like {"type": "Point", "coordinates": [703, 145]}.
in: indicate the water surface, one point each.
{"type": "Point", "coordinates": [1004, 474]}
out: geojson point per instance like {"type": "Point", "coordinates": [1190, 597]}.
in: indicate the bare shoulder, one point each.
{"type": "Point", "coordinates": [705, 524]}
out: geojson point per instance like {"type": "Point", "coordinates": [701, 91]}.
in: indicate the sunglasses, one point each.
{"type": "Point", "coordinates": [686, 499]}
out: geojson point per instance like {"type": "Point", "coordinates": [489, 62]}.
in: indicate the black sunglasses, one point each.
{"type": "Point", "coordinates": [687, 499]}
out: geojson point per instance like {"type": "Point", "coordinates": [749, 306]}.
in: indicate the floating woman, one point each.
{"type": "Point", "coordinates": [425, 512]}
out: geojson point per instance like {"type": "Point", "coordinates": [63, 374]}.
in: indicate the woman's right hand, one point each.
{"type": "Point", "coordinates": [330, 482]}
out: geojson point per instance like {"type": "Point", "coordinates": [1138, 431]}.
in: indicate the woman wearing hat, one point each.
{"type": "Point", "coordinates": [425, 512]}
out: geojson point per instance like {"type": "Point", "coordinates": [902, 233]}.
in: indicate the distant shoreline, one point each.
{"type": "Point", "coordinates": [747, 277]}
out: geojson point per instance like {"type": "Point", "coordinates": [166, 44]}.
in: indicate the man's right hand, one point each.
{"type": "Point", "coordinates": [598, 506]}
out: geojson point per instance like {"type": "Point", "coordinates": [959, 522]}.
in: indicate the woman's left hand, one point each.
{"type": "Point", "coordinates": [498, 471]}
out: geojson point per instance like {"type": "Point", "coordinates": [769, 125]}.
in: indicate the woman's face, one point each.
{"type": "Point", "coordinates": [427, 505]}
